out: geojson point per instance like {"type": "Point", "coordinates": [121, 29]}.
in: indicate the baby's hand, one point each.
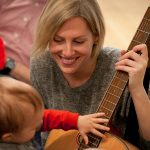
{"type": "Point", "coordinates": [92, 123]}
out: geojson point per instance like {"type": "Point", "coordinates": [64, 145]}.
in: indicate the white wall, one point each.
{"type": "Point", "coordinates": [122, 18]}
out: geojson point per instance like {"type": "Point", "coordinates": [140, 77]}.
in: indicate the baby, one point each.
{"type": "Point", "coordinates": [22, 113]}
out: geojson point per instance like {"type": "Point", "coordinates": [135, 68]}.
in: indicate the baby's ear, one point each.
{"type": "Point", "coordinates": [7, 137]}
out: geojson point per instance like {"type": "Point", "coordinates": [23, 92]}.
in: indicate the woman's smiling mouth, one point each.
{"type": "Point", "coordinates": [68, 61]}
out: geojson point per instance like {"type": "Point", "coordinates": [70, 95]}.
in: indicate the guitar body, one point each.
{"type": "Point", "coordinates": [67, 140]}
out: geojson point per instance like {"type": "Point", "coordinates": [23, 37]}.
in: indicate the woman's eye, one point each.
{"type": "Point", "coordinates": [58, 40]}
{"type": "Point", "coordinates": [79, 42]}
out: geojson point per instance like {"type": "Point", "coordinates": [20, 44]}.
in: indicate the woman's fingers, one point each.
{"type": "Point", "coordinates": [142, 48]}
{"type": "Point", "coordinates": [138, 54]}
{"type": "Point", "coordinates": [133, 62]}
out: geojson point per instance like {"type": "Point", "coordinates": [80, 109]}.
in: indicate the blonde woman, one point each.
{"type": "Point", "coordinates": [71, 69]}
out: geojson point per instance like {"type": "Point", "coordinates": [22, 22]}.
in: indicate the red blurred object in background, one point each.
{"type": "Point", "coordinates": [2, 54]}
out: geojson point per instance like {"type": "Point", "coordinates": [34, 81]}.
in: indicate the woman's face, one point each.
{"type": "Point", "coordinates": [72, 46]}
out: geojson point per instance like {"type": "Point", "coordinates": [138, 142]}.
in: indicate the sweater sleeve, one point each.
{"type": "Point", "coordinates": [59, 119]}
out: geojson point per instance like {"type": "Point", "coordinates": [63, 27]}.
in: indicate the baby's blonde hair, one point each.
{"type": "Point", "coordinates": [13, 95]}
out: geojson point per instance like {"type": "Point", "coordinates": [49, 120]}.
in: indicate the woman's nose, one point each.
{"type": "Point", "coordinates": [68, 50]}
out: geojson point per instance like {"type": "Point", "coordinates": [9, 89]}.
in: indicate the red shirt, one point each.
{"type": "Point", "coordinates": [2, 55]}
{"type": "Point", "coordinates": [59, 119]}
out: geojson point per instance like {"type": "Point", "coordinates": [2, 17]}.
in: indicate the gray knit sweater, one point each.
{"type": "Point", "coordinates": [48, 79]}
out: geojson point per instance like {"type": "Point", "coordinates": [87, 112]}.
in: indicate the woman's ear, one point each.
{"type": "Point", "coordinates": [7, 137]}
{"type": "Point", "coordinates": [96, 39]}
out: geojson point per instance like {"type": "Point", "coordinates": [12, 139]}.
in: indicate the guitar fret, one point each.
{"type": "Point", "coordinates": [117, 87]}
{"type": "Point", "coordinates": [137, 42]}
{"type": "Point", "coordinates": [115, 90]}
{"type": "Point", "coordinates": [107, 109]}
{"type": "Point", "coordinates": [108, 104]}
{"type": "Point", "coordinates": [122, 75]}
{"type": "Point", "coordinates": [145, 25]}
{"type": "Point", "coordinates": [95, 138]}
{"type": "Point", "coordinates": [133, 43]}
{"type": "Point", "coordinates": [120, 78]}
{"type": "Point", "coordinates": [91, 144]}
{"type": "Point", "coordinates": [140, 35]}
{"type": "Point", "coordinates": [145, 32]}
{"type": "Point", "coordinates": [118, 82]}
{"type": "Point", "coordinates": [111, 98]}
{"type": "Point", "coordinates": [107, 112]}
{"type": "Point", "coordinates": [113, 94]}
{"type": "Point", "coordinates": [146, 19]}
{"type": "Point", "coordinates": [83, 146]}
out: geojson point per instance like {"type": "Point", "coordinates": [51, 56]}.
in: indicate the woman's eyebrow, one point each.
{"type": "Point", "coordinates": [80, 36]}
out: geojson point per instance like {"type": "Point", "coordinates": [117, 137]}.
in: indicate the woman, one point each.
{"type": "Point", "coordinates": [72, 71]}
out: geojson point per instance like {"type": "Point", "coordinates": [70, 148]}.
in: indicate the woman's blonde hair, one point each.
{"type": "Point", "coordinates": [13, 95]}
{"type": "Point", "coordinates": [56, 12]}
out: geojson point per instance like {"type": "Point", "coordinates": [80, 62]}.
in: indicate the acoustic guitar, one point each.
{"type": "Point", "coordinates": [71, 140]}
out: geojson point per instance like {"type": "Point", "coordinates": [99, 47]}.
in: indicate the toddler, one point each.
{"type": "Point", "coordinates": [22, 113]}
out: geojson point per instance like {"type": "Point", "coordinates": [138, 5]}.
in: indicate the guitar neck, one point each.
{"type": "Point", "coordinates": [119, 81]}
{"type": "Point", "coordinates": [142, 34]}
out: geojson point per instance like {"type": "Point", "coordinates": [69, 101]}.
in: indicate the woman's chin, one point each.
{"type": "Point", "coordinates": [68, 70]}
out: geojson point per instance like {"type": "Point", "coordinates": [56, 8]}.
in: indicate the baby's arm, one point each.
{"type": "Point", "coordinates": [60, 119]}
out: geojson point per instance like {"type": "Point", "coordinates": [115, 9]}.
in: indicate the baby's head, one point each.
{"type": "Point", "coordinates": [21, 111]}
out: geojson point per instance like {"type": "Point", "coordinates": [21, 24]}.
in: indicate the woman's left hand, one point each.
{"type": "Point", "coordinates": [134, 64]}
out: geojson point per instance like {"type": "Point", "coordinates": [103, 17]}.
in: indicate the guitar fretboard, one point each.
{"type": "Point", "coordinates": [119, 81]}
{"type": "Point", "coordinates": [113, 94]}
{"type": "Point", "coordinates": [142, 34]}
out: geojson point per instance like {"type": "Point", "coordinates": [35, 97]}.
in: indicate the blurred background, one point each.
{"type": "Point", "coordinates": [122, 18]}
